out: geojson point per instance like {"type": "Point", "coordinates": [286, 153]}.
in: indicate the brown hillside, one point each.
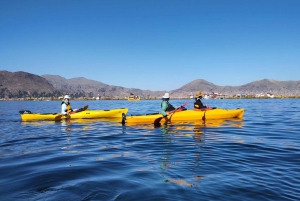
{"type": "Point", "coordinates": [90, 88]}
{"type": "Point", "coordinates": [289, 88]}
{"type": "Point", "coordinates": [271, 86]}
{"type": "Point", "coordinates": [21, 84]}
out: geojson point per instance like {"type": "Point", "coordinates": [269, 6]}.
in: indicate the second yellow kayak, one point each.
{"type": "Point", "coordinates": [186, 115]}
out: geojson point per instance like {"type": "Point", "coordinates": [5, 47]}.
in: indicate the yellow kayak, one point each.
{"type": "Point", "coordinates": [185, 115]}
{"type": "Point", "coordinates": [26, 115]}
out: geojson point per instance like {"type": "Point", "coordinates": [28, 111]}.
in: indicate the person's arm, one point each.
{"type": "Point", "coordinates": [63, 109]}
{"type": "Point", "coordinates": [163, 109]}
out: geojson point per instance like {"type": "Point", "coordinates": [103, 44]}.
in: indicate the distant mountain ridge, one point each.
{"type": "Point", "coordinates": [23, 84]}
{"type": "Point", "coordinates": [257, 87]}
{"type": "Point", "coordinates": [92, 88]}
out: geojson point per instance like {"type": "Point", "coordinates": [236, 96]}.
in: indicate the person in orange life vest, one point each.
{"type": "Point", "coordinates": [198, 103]}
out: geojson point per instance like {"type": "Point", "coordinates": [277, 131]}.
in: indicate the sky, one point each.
{"type": "Point", "coordinates": [153, 44]}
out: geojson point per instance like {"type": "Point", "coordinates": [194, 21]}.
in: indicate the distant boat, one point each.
{"type": "Point", "coordinates": [132, 97]}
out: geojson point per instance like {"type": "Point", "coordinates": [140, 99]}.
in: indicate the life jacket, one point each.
{"type": "Point", "coordinates": [69, 108]}
{"type": "Point", "coordinates": [169, 107]}
{"type": "Point", "coordinates": [198, 104]}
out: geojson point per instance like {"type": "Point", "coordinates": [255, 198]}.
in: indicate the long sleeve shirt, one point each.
{"type": "Point", "coordinates": [63, 109]}
{"type": "Point", "coordinates": [164, 106]}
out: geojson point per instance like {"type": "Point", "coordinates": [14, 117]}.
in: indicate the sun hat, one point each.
{"type": "Point", "coordinates": [67, 97]}
{"type": "Point", "coordinates": [198, 93]}
{"type": "Point", "coordinates": [166, 95]}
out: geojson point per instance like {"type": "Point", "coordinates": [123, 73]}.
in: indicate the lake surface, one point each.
{"type": "Point", "coordinates": [257, 158]}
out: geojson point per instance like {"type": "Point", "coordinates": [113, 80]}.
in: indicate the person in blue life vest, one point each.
{"type": "Point", "coordinates": [165, 105]}
{"type": "Point", "coordinates": [66, 108]}
{"type": "Point", "coordinates": [198, 103]}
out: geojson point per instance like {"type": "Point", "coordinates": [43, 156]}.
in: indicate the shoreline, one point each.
{"type": "Point", "coordinates": [93, 99]}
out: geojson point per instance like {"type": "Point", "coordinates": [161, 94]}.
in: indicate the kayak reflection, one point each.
{"type": "Point", "coordinates": [38, 123]}
{"type": "Point", "coordinates": [191, 135]}
{"type": "Point", "coordinates": [183, 125]}
{"type": "Point", "coordinates": [88, 124]}
{"type": "Point", "coordinates": [115, 120]}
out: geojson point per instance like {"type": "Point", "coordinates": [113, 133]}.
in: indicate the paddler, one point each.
{"type": "Point", "coordinates": [165, 105]}
{"type": "Point", "coordinates": [198, 103]}
{"type": "Point", "coordinates": [66, 108]}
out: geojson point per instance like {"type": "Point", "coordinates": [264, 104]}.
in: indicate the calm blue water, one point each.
{"type": "Point", "coordinates": [257, 158]}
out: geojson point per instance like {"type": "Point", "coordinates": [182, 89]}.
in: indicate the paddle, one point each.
{"type": "Point", "coordinates": [177, 109]}
{"type": "Point", "coordinates": [80, 109]}
{"type": "Point", "coordinates": [58, 117]}
{"type": "Point", "coordinates": [76, 111]}
{"type": "Point", "coordinates": [123, 119]}
{"type": "Point", "coordinates": [157, 121]}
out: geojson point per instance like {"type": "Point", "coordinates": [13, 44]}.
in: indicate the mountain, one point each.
{"type": "Point", "coordinates": [196, 85]}
{"type": "Point", "coordinates": [273, 86]}
{"type": "Point", "coordinates": [23, 84]}
{"type": "Point", "coordinates": [81, 86]}
{"type": "Point", "coordinates": [288, 88]}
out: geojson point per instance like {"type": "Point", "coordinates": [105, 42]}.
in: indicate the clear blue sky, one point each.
{"type": "Point", "coordinates": [153, 44]}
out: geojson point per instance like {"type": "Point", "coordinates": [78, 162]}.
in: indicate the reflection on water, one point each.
{"type": "Point", "coordinates": [180, 182]}
{"type": "Point", "coordinates": [197, 126]}
{"type": "Point", "coordinates": [65, 122]}
{"type": "Point", "coordinates": [38, 123]}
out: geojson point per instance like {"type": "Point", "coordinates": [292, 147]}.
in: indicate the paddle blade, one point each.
{"type": "Point", "coordinates": [123, 118]}
{"type": "Point", "coordinates": [58, 117]}
{"type": "Point", "coordinates": [85, 108]}
{"type": "Point", "coordinates": [80, 109]}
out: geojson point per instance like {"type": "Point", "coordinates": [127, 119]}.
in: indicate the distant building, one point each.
{"type": "Point", "coordinates": [270, 95]}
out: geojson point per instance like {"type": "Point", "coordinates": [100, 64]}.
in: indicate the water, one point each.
{"type": "Point", "coordinates": [257, 158]}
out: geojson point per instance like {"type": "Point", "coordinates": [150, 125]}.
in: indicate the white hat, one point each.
{"type": "Point", "coordinates": [166, 95]}
{"type": "Point", "coordinates": [67, 97]}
